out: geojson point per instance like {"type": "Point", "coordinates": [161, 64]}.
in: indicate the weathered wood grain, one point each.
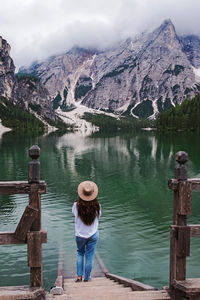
{"type": "Point", "coordinates": [21, 293]}
{"type": "Point", "coordinates": [194, 182]}
{"type": "Point", "coordinates": [21, 187]}
{"type": "Point", "coordinates": [35, 201]}
{"type": "Point", "coordinates": [27, 219]}
{"type": "Point", "coordinates": [184, 198]}
{"type": "Point", "coordinates": [103, 288]}
{"type": "Point", "coordinates": [135, 285]}
{"type": "Point", "coordinates": [173, 245]}
{"type": "Point", "coordinates": [188, 285]}
{"type": "Point", "coordinates": [183, 242]}
{"type": "Point", "coordinates": [8, 238]}
{"type": "Point", "coordinates": [34, 249]}
{"type": "Point", "coordinates": [194, 230]}
{"type": "Point", "coordinates": [36, 278]}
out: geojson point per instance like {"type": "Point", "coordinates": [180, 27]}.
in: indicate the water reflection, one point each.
{"type": "Point", "coordinates": [131, 171]}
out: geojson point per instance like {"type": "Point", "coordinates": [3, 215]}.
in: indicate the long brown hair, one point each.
{"type": "Point", "coordinates": [88, 210]}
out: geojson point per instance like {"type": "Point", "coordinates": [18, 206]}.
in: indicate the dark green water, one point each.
{"type": "Point", "coordinates": [131, 171]}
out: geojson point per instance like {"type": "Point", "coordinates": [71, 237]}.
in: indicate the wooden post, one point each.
{"type": "Point", "coordinates": [27, 219]}
{"type": "Point", "coordinates": [180, 234]}
{"type": "Point", "coordinates": [36, 279]}
{"type": "Point", "coordinates": [34, 165]}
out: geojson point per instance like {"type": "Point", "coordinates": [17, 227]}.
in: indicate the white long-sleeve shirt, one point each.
{"type": "Point", "coordinates": [81, 229]}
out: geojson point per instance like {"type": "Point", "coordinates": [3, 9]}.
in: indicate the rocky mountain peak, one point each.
{"type": "Point", "coordinates": [167, 25]}
{"type": "Point", "coordinates": [27, 91]}
{"type": "Point", "coordinates": [7, 69]}
{"type": "Point", "coordinates": [138, 77]}
{"type": "Point", "coordinates": [166, 34]}
{"type": "Point", "coordinates": [4, 46]}
{"type": "Point", "coordinates": [191, 47]}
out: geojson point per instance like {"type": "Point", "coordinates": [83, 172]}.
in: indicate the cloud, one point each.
{"type": "Point", "coordinates": [38, 29]}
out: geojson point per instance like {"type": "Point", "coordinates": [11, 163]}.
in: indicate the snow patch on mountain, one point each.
{"type": "Point", "coordinates": [74, 117]}
{"type": "Point", "coordinates": [155, 110]}
{"type": "Point", "coordinates": [197, 73]}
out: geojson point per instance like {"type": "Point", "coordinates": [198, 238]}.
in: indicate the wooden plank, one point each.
{"type": "Point", "coordinates": [25, 222]}
{"type": "Point", "coordinates": [173, 245]}
{"type": "Point", "coordinates": [180, 268]}
{"type": "Point", "coordinates": [184, 198]}
{"type": "Point", "coordinates": [195, 184]}
{"type": "Point", "coordinates": [8, 238]}
{"type": "Point", "coordinates": [189, 285]}
{"type": "Point", "coordinates": [35, 201]}
{"type": "Point", "coordinates": [43, 236]}
{"type": "Point", "coordinates": [34, 243]}
{"type": "Point", "coordinates": [180, 262]}
{"type": "Point", "coordinates": [21, 292]}
{"type": "Point", "coordinates": [177, 262]}
{"type": "Point", "coordinates": [183, 243]}
{"type": "Point", "coordinates": [194, 230]}
{"type": "Point", "coordinates": [135, 285]}
{"type": "Point", "coordinates": [36, 279]}
{"type": "Point", "coordinates": [21, 187]}
{"type": "Point", "coordinates": [176, 200]}
{"type": "Point", "coordinates": [35, 258]}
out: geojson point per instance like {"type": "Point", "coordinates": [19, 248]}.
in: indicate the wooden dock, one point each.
{"type": "Point", "coordinates": [103, 284]}
{"type": "Point", "coordinates": [103, 288]}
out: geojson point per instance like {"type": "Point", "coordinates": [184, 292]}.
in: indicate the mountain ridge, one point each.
{"type": "Point", "coordinates": [25, 91]}
{"type": "Point", "coordinates": [140, 76]}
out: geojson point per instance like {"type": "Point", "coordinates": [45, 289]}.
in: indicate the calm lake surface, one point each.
{"type": "Point", "coordinates": [131, 171]}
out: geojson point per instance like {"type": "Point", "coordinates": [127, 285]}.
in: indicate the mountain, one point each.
{"type": "Point", "coordinates": [138, 77]}
{"type": "Point", "coordinates": [7, 69]}
{"type": "Point", "coordinates": [26, 91]}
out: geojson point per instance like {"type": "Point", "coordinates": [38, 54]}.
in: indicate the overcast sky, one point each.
{"type": "Point", "coordinates": [36, 29]}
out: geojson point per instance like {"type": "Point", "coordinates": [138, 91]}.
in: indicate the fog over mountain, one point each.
{"type": "Point", "coordinates": [140, 76]}
{"type": "Point", "coordinates": [37, 29]}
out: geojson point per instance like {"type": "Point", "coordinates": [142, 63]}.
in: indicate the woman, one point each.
{"type": "Point", "coordinates": [87, 212]}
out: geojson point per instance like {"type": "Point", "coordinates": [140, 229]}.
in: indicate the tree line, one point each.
{"type": "Point", "coordinates": [185, 116]}
{"type": "Point", "coordinates": [18, 119]}
{"type": "Point", "coordinates": [114, 124]}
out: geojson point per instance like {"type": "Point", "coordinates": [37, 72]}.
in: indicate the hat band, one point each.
{"type": "Point", "coordinates": [87, 191]}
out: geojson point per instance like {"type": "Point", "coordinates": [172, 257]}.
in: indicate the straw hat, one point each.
{"type": "Point", "coordinates": [87, 190]}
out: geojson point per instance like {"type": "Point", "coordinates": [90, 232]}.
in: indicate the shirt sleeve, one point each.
{"type": "Point", "coordinates": [100, 211]}
{"type": "Point", "coordinates": [74, 209]}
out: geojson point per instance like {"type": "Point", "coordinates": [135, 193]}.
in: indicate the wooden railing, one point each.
{"type": "Point", "coordinates": [29, 227]}
{"type": "Point", "coordinates": [180, 232]}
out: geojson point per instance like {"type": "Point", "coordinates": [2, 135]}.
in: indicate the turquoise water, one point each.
{"type": "Point", "coordinates": [131, 171]}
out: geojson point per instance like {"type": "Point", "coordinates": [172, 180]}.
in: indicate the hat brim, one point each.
{"type": "Point", "coordinates": [89, 197]}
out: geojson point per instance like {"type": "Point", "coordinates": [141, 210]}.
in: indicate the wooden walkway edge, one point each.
{"type": "Point", "coordinates": [103, 288]}
{"type": "Point", "coordinates": [107, 286]}
{"type": "Point", "coordinates": [21, 293]}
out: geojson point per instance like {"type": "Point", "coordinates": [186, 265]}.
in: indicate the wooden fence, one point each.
{"type": "Point", "coordinates": [29, 227]}
{"type": "Point", "coordinates": [180, 231]}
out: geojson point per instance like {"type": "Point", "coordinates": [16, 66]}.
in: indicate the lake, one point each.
{"type": "Point", "coordinates": [131, 171]}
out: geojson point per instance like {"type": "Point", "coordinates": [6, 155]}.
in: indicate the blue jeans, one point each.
{"type": "Point", "coordinates": [85, 247]}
